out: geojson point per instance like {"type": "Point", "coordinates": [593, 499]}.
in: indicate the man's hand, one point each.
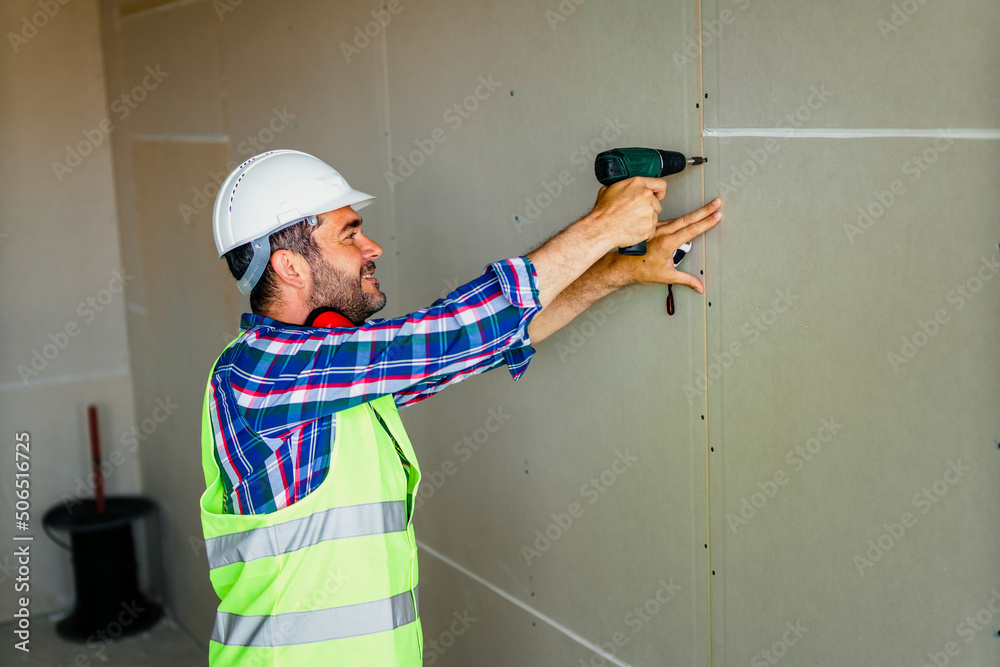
{"type": "Point", "coordinates": [629, 208]}
{"type": "Point", "coordinates": [657, 265]}
{"type": "Point", "coordinates": [625, 214]}
{"type": "Point", "coordinates": [613, 270]}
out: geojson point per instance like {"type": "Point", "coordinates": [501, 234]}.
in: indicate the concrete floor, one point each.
{"type": "Point", "coordinates": [165, 644]}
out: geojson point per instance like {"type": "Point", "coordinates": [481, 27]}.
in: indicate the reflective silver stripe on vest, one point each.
{"type": "Point", "coordinates": [283, 538]}
{"type": "Point", "coordinates": [308, 627]}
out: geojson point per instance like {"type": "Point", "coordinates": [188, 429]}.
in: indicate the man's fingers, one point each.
{"type": "Point", "coordinates": [694, 216]}
{"type": "Point", "coordinates": [681, 278]}
{"type": "Point", "coordinates": [688, 233]}
{"type": "Point", "coordinates": [657, 185]}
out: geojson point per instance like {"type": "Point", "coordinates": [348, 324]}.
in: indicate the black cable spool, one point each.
{"type": "Point", "coordinates": [108, 602]}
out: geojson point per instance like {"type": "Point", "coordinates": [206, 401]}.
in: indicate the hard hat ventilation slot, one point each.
{"type": "Point", "coordinates": [236, 186]}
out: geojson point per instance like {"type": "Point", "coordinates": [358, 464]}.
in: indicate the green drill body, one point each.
{"type": "Point", "coordinates": [618, 164]}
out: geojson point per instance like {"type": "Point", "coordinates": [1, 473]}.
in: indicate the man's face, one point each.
{"type": "Point", "coordinates": [345, 256]}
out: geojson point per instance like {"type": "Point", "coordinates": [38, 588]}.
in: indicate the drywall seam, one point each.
{"type": "Point", "coordinates": [184, 138]}
{"type": "Point", "coordinates": [393, 235]}
{"type": "Point", "coordinates": [534, 612]}
{"type": "Point", "coordinates": [122, 371]}
{"type": "Point", "coordinates": [704, 334]}
{"type": "Point", "coordinates": [852, 133]}
{"type": "Point", "coordinates": [220, 42]}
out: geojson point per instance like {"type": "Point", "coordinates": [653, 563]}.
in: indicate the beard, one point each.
{"type": "Point", "coordinates": [343, 292]}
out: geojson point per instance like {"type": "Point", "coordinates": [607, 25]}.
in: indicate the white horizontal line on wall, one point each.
{"type": "Point", "coordinates": [185, 138]}
{"type": "Point", "coordinates": [126, 13]}
{"type": "Point", "coordinates": [534, 612]}
{"type": "Point", "coordinates": [851, 132]}
{"type": "Point", "coordinates": [65, 379]}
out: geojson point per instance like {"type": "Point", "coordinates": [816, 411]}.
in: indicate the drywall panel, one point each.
{"type": "Point", "coordinates": [62, 334]}
{"type": "Point", "coordinates": [907, 64]}
{"type": "Point", "coordinates": [164, 74]}
{"type": "Point", "coordinates": [491, 105]}
{"type": "Point", "coordinates": [466, 623]}
{"type": "Point", "coordinates": [500, 503]}
{"type": "Point", "coordinates": [503, 92]}
{"type": "Point", "coordinates": [57, 199]}
{"type": "Point", "coordinates": [169, 68]}
{"type": "Point", "coordinates": [191, 310]}
{"type": "Point", "coordinates": [853, 381]}
{"type": "Point", "coordinates": [290, 84]}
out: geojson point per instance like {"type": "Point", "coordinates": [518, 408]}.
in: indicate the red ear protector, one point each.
{"type": "Point", "coordinates": [328, 317]}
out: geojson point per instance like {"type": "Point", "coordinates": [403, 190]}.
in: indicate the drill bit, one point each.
{"type": "Point", "coordinates": [697, 160]}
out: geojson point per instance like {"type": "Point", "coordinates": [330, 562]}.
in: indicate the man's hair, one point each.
{"type": "Point", "coordinates": [298, 238]}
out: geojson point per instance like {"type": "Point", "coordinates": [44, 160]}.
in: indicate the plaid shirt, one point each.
{"type": "Point", "coordinates": [276, 392]}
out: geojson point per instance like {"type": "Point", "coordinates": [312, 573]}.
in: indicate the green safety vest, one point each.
{"type": "Point", "coordinates": [332, 578]}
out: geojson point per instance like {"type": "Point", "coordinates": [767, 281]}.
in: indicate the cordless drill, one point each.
{"type": "Point", "coordinates": [618, 164]}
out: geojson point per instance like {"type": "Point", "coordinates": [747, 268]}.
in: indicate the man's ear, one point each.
{"type": "Point", "coordinates": [291, 268]}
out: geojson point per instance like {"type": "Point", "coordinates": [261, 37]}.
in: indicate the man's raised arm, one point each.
{"type": "Point", "coordinates": [613, 271]}
{"type": "Point", "coordinates": [625, 214]}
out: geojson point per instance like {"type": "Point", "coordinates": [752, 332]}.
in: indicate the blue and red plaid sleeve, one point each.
{"type": "Point", "coordinates": [273, 387]}
{"type": "Point", "coordinates": [513, 285]}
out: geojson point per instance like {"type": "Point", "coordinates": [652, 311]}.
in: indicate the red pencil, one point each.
{"type": "Point", "coordinates": [95, 458]}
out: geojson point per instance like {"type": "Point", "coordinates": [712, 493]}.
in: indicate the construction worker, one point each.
{"type": "Point", "coordinates": [310, 475]}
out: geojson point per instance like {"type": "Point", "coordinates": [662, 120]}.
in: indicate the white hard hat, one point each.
{"type": "Point", "coordinates": [272, 191]}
